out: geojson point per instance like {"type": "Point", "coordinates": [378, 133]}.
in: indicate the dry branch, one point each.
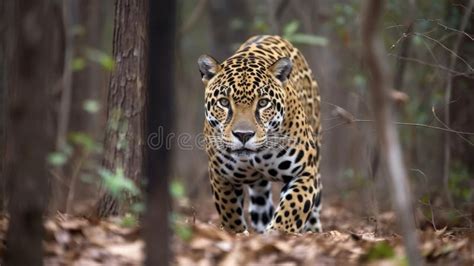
{"type": "Point", "coordinates": [373, 54]}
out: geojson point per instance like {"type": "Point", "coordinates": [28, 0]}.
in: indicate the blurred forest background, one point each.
{"type": "Point", "coordinates": [97, 88]}
{"type": "Point", "coordinates": [429, 51]}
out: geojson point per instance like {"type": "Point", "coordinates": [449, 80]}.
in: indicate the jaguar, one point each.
{"type": "Point", "coordinates": [262, 125]}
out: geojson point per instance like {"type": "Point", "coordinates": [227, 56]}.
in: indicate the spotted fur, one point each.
{"type": "Point", "coordinates": [263, 124]}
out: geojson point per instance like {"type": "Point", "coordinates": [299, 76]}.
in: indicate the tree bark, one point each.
{"type": "Point", "coordinates": [160, 114]}
{"type": "Point", "coordinates": [373, 53]}
{"type": "Point", "coordinates": [35, 45]}
{"type": "Point", "coordinates": [124, 143]}
{"type": "Point", "coordinates": [2, 103]}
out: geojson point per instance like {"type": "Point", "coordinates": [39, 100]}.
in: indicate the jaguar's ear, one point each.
{"type": "Point", "coordinates": [281, 69]}
{"type": "Point", "coordinates": [208, 67]}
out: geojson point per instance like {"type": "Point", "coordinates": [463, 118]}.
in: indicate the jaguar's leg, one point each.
{"type": "Point", "coordinates": [261, 204]}
{"type": "Point", "coordinates": [313, 224]}
{"type": "Point", "coordinates": [296, 200]}
{"type": "Point", "coordinates": [229, 200]}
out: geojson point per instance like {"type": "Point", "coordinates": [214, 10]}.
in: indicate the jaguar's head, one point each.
{"type": "Point", "coordinates": [244, 101]}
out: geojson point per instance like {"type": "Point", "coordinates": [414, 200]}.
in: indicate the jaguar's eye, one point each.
{"type": "Point", "coordinates": [224, 102]}
{"type": "Point", "coordinates": [263, 103]}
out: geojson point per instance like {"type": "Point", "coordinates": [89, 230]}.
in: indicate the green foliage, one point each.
{"type": "Point", "coordinates": [290, 33]}
{"type": "Point", "coordinates": [381, 250]}
{"type": "Point", "coordinates": [57, 159]}
{"type": "Point", "coordinates": [459, 181]}
{"type": "Point", "coordinates": [78, 64]}
{"type": "Point", "coordinates": [177, 189]}
{"type": "Point", "coordinates": [182, 230]}
{"type": "Point", "coordinates": [117, 184]}
{"type": "Point", "coordinates": [91, 106]}
{"type": "Point", "coordinates": [102, 58]}
{"type": "Point", "coordinates": [129, 220]}
{"type": "Point", "coordinates": [84, 141]}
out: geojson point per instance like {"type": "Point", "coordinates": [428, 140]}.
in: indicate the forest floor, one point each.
{"type": "Point", "coordinates": [347, 239]}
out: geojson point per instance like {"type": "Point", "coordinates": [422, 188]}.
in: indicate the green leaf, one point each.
{"type": "Point", "coordinates": [105, 60]}
{"type": "Point", "coordinates": [290, 28]}
{"type": "Point", "coordinates": [91, 106]}
{"type": "Point", "coordinates": [308, 39]}
{"type": "Point", "coordinates": [116, 183]}
{"type": "Point", "coordinates": [177, 189]}
{"type": "Point", "coordinates": [57, 159]}
{"type": "Point", "coordinates": [78, 64]}
{"type": "Point", "coordinates": [83, 140]}
{"type": "Point", "coordinates": [129, 220]}
{"type": "Point", "coordinates": [184, 232]}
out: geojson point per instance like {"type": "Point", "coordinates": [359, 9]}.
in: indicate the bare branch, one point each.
{"type": "Point", "coordinates": [446, 126]}
{"type": "Point", "coordinates": [447, 69]}
{"type": "Point", "coordinates": [453, 53]}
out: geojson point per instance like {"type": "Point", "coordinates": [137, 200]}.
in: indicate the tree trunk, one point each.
{"type": "Point", "coordinates": [35, 44]}
{"type": "Point", "coordinates": [86, 84]}
{"type": "Point", "coordinates": [124, 143]}
{"type": "Point", "coordinates": [387, 135]}
{"type": "Point", "coordinates": [2, 104]}
{"type": "Point", "coordinates": [459, 107]}
{"type": "Point", "coordinates": [160, 114]}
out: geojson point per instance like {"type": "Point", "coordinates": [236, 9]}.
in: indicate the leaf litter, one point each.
{"type": "Point", "coordinates": [347, 240]}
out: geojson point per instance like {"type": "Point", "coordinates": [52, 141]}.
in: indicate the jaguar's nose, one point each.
{"type": "Point", "coordinates": [243, 136]}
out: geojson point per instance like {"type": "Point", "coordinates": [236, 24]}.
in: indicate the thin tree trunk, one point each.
{"type": "Point", "coordinates": [447, 102]}
{"type": "Point", "coordinates": [3, 109]}
{"type": "Point", "coordinates": [373, 53]}
{"type": "Point", "coordinates": [35, 45]}
{"type": "Point", "coordinates": [124, 143]}
{"type": "Point", "coordinates": [86, 84]}
{"type": "Point", "coordinates": [160, 114]}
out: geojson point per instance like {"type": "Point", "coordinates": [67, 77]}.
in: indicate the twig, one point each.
{"type": "Point", "coordinates": [437, 21]}
{"type": "Point", "coordinates": [72, 185]}
{"type": "Point", "coordinates": [448, 28]}
{"type": "Point", "coordinates": [425, 179]}
{"type": "Point", "coordinates": [448, 70]}
{"type": "Point", "coordinates": [373, 53]}
{"type": "Point", "coordinates": [349, 119]}
{"type": "Point", "coordinates": [447, 99]}
{"type": "Point", "coordinates": [453, 53]}
{"type": "Point", "coordinates": [446, 126]}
